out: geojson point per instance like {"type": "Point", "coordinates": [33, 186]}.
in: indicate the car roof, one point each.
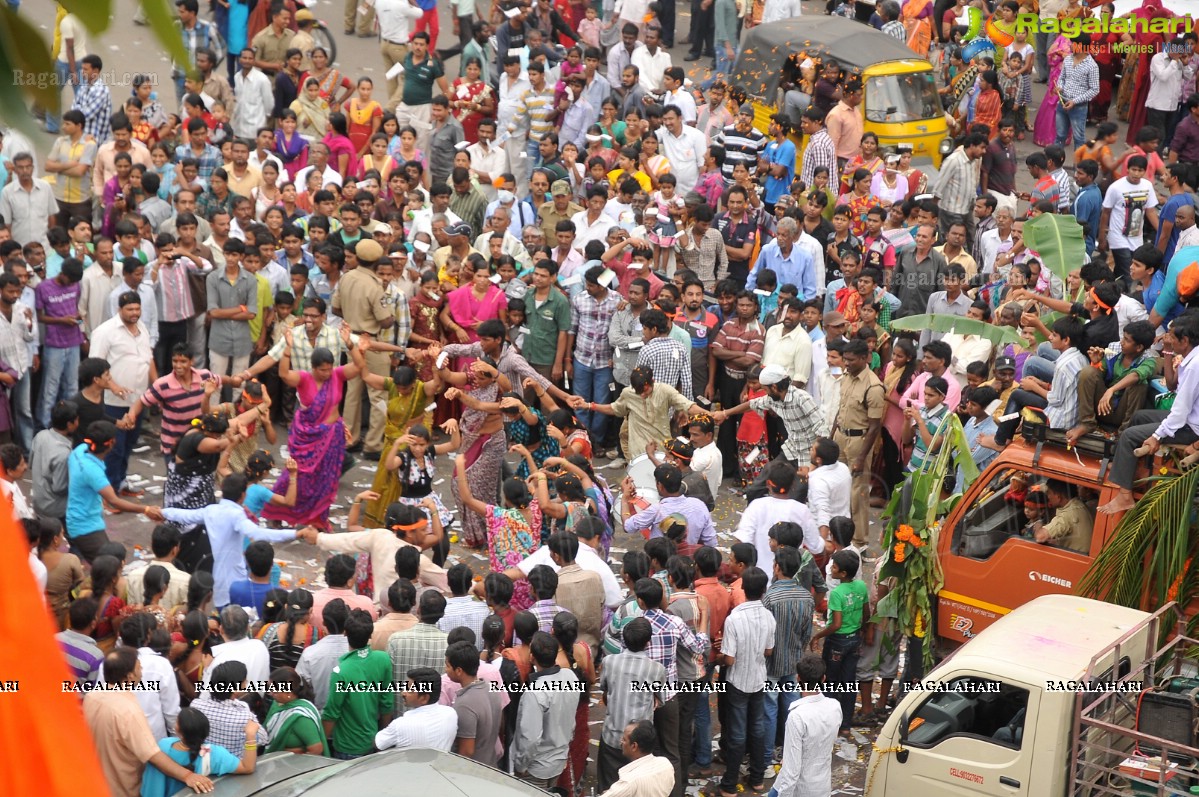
{"type": "Point", "coordinates": [420, 772]}
{"type": "Point", "coordinates": [853, 45]}
{"type": "Point", "coordinates": [1054, 635]}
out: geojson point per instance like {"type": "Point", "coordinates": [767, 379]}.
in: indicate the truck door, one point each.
{"type": "Point", "coordinates": [976, 736]}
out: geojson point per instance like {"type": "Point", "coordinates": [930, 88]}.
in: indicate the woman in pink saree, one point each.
{"type": "Point", "coordinates": [317, 440]}
{"type": "Point", "coordinates": [483, 441]}
{"type": "Point", "coordinates": [475, 302]}
{"type": "Point", "coordinates": [1044, 130]}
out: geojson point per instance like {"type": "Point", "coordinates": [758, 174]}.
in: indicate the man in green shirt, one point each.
{"type": "Point", "coordinates": [547, 315]}
{"type": "Point", "coordinates": [421, 71]}
{"type": "Point", "coordinates": [361, 699]}
{"type": "Point", "coordinates": [1114, 388]}
{"type": "Point", "coordinates": [849, 620]}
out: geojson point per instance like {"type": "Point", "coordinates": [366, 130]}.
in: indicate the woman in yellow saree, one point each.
{"type": "Point", "coordinates": [408, 398]}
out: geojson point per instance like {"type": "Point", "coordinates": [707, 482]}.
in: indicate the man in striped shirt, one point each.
{"type": "Point", "coordinates": [792, 607]}
{"type": "Point", "coordinates": [742, 143]}
{"type": "Point", "coordinates": [179, 394]}
{"type": "Point", "coordinates": [83, 656]}
{"type": "Point", "coordinates": [535, 113]}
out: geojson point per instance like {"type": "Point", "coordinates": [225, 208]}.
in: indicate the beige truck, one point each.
{"type": "Point", "coordinates": [1063, 696]}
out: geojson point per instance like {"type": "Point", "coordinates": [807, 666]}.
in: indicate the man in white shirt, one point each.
{"type": "Point", "coordinates": [789, 346]}
{"type": "Point", "coordinates": [235, 627]}
{"type": "Point", "coordinates": [652, 60]}
{"type": "Point", "coordinates": [318, 158]}
{"type": "Point", "coordinates": [646, 774]}
{"type": "Point", "coordinates": [776, 507]}
{"type": "Point", "coordinates": [425, 723]}
{"type": "Point", "coordinates": [255, 97]}
{"type": "Point", "coordinates": [263, 142]}
{"type": "Point", "coordinates": [707, 459]}
{"type": "Point", "coordinates": [684, 146]}
{"type": "Point", "coordinates": [998, 241]}
{"type": "Point", "coordinates": [396, 18]}
{"type": "Point", "coordinates": [592, 224]}
{"type": "Point", "coordinates": [513, 86]}
{"type": "Point", "coordinates": [487, 159]}
{"type": "Point", "coordinates": [778, 10]}
{"type": "Point", "coordinates": [160, 704]}
{"type": "Point", "coordinates": [812, 725]}
{"type": "Point", "coordinates": [124, 343]}
{"type": "Point", "coordinates": [829, 483]}
{"type": "Point", "coordinates": [677, 94]}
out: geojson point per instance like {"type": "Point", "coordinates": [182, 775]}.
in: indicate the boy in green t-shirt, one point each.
{"type": "Point", "coordinates": [849, 614]}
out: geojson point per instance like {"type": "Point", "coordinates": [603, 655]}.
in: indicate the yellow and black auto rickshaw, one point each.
{"type": "Point", "coordinates": [900, 102]}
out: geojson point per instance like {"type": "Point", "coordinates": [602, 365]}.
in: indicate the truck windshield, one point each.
{"type": "Point", "coordinates": [901, 98]}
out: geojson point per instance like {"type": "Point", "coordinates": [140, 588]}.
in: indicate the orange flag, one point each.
{"type": "Point", "coordinates": [53, 754]}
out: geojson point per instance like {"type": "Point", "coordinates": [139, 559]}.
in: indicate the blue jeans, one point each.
{"type": "Point", "coordinates": [724, 65]}
{"type": "Point", "coordinates": [60, 379]}
{"type": "Point", "coordinates": [841, 667]}
{"type": "Point", "coordinates": [593, 384]}
{"type": "Point", "coordinates": [1040, 364]}
{"type": "Point", "coordinates": [62, 74]}
{"type": "Point", "coordinates": [22, 410]}
{"type": "Point", "coordinates": [1071, 122]}
{"type": "Point", "coordinates": [701, 740]}
{"type": "Point", "coordinates": [533, 150]}
{"type": "Point", "coordinates": [743, 713]}
{"type": "Point", "coordinates": [773, 715]}
{"type": "Point", "coordinates": [116, 464]}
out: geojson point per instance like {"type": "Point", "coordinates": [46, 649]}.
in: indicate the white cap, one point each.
{"type": "Point", "coordinates": [772, 375]}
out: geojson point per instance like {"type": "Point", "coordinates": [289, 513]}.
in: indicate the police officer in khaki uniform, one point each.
{"type": "Point", "coordinates": [358, 300]}
{"type": "Point", "coordinates": [856, 430]}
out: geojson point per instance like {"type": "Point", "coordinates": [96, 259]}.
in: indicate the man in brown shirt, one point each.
{"type": "Point", "coordinates": [559, 208]}
{"type": "Point", "coordinates": [401, 597]}
{"type": "Point", "coordinates": [856, 430]}
{"type": "Point", "coordinates": [580, 591]}
{"type": "Point", "coordinates": [358, 300]}
{"type": "Point", "coordinates": [272, 42]}
{"type": "Point", "coordinates": [122, 736]}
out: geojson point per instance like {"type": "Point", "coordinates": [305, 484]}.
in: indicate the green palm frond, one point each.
{"type": "Point", "coordinates": [1157, 528]}
{"type": "Point", "coordinates": [1058, 240]}
{"type": "Point", "coordinates": [944, 322]}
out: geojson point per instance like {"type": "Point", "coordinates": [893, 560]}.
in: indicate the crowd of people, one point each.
{"type": "Point", "coordinates": [568, 253]}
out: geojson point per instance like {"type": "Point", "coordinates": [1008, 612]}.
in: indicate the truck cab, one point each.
{"type": "Point", "coordinates": [990, 567]}
{"type": "Point", "coordinates": [1003, 714]}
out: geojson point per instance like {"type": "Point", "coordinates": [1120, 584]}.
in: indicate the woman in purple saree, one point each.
{"type": "Point", "coordinates": [317, 440]}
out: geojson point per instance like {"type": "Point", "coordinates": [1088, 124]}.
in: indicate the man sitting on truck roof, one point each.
{"type": "Point", "coordinates": [1148, 429]}
{"type": "Point", "coordinates": [1058, 398]}
{"type": "Point", "coordinates": [1071, 525]}
{"type": "Point", "coordinates": [1125, 376]}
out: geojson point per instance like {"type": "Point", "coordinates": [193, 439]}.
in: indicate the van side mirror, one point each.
{"type": "Point", "coordinates": [901, 755]}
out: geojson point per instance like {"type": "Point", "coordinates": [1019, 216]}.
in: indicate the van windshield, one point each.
{"type": "Point", "coordinates": [901, 98]}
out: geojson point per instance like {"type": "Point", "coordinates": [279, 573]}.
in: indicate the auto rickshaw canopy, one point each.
{"type": "Point", "coordinates": [854, 46]}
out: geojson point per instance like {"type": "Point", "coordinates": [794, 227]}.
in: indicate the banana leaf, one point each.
{"type": "Point", "coordinates": [1059, 241]}
{"type": "Point", "coordinates": [944, 322]}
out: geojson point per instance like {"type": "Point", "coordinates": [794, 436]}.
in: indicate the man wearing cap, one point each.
{"type": "Point", "coordinates": [561, 207]}
{"type": "Point", "coordinates": [458, 238]}
{"type": "Point", "coordinates": [303, 40]}
{"type": "Point", "coordinates": [742, 142]}
{"type": "Point", "coordinates": [358, 300]}
{"type": "Point", "coordinates": [795, 407]}
{"type": "Point", "coordinates": [856, 430]}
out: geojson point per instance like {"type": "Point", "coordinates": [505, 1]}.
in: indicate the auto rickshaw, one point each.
{"type": "Point", "coordinates": [900, 103]}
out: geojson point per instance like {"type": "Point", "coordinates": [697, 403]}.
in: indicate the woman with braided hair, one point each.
{"type": "Point", "coordinates": [189, 750]}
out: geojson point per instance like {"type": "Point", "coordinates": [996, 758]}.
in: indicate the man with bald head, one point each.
{"type": "Point", "coordinates": [499, 222]}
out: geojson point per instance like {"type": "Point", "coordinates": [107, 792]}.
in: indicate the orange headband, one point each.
{"type": "Point", "coordinates": [420, 524]}
{"type": "Point", "coordinates": [1095, 298]}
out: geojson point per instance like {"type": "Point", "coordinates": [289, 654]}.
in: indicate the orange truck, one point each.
{"type": "Point", "coordinates": [989, 568]}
